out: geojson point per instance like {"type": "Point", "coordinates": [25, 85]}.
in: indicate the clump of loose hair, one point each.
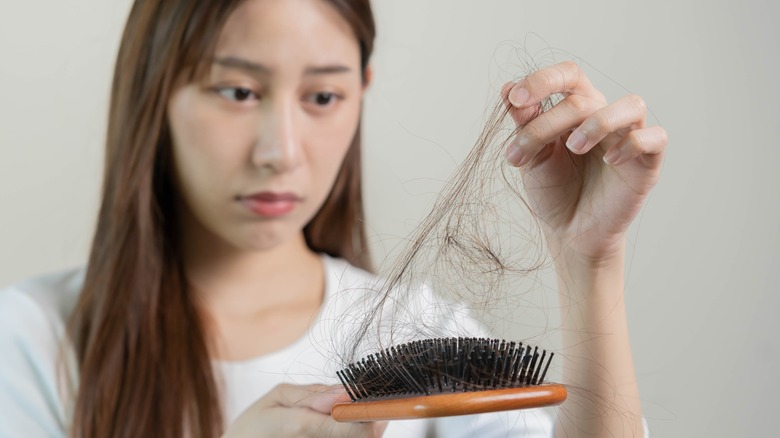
{"type": "Point", "coordinates": [477, 242]}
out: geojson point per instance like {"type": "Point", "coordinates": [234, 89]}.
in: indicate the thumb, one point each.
{"type": "Point", "coordinates": [319, 398]}
{"type": "Point", "coordinates": [323, 400]}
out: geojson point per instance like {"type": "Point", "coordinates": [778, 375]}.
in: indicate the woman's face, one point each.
{"type": "Point", "coordinates": [258, 142]}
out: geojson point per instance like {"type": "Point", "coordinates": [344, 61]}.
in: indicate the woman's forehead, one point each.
{"type": "Point", "coordinates": [278, 31]}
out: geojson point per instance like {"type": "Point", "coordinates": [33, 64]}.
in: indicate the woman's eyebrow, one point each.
{"type": "Point", "coordinates": [257, 68]}
{"type": "Point", "coordinates": [327, 69]}
{"type": "Point", "coordinates": [242, 64]}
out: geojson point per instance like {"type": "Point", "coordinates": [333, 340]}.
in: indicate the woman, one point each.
{"type": "Point", "coordinates": [232, 169]}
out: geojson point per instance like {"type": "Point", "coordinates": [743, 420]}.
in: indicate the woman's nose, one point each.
{"type": "Point", "coordinates": [278, 145]}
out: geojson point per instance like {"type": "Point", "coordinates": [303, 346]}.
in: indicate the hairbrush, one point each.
{"type": "Point", "coordinates": [446, 377]}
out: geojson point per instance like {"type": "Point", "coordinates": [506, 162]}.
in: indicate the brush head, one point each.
{"type": "Point", "coordinates": [445, 365]}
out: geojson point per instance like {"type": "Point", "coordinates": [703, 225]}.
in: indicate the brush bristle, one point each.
{"type": "Point", "coordinates": [445, 365]}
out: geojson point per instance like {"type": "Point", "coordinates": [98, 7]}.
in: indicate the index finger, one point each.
{"type": "Point", "coordinates": [565, 78]}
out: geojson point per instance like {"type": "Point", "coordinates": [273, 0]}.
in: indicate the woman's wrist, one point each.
{"type": "Point", "coordinates": [569, 258]}
{"type": "Point", "coordinates": [599, 280]}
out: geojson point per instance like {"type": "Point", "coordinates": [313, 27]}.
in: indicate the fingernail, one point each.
{"type": "Point", "coordinates": [576, 141]}
{"type": "Point", "coordinates": [514, 155]}
{"type": "Point", "coordinates": [519, 96]}
{"type": "Point", "coordinates": [612, 156]}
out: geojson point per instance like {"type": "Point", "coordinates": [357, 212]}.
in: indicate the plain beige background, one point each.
{"type": "Point", "coordinates": [705, 265]}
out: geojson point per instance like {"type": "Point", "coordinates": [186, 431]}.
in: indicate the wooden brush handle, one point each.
{"type": "Point", "coordinates": [450, 404]}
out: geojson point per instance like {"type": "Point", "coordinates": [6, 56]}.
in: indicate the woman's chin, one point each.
{"type": "Point", "coordinates": [268, 238]}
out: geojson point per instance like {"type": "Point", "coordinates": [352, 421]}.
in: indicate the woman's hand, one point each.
{"type": "Point", "coordinates": [587, 166]}
{"type": "Point", "coordinates": [299, 411]}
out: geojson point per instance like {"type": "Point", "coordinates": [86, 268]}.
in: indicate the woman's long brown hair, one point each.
{"type": "Point", "coordinates": [141, 349]}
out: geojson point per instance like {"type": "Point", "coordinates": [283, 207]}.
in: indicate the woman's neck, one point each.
{"type": "Point", "coordinates": [253, 302]}
{"type": "Point", "coordinates": [218, 272]}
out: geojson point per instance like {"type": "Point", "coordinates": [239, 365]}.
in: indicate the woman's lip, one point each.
{"type": "Point", "coordinates": [270, 204]}
{"type": "Point", "coordinates": [273, 196]}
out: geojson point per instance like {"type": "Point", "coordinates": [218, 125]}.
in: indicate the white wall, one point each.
{"type": "Point", "coordinates": [704, 279]}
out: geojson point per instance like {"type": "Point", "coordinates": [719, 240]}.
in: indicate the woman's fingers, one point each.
{"type": "Point", "coordinates": [333, 429]}
{"type": "Point", "coordinates": [626, 114]}
{"type": "Point", "coordinates": [299, 410]}
{"type": "Point", "coordinates": [319, 398]}
{"type": "Point", "coordinates": [302, 422]}
{"type": "Point", "coordinates": [310, 405]}
{"type": "Point", "coordinates": [565, 78]}
{"type": "Point", "coordinates": [649, 143]}
{"type": "Point", "coordinates": [539, 132]}
{"type": "Point", "coordinates": [591, 123]}
{"type": "Point", "coordinates": [521, 116]}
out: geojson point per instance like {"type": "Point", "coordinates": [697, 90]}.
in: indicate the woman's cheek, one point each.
{"type": "Point", "coordinates": [334, 151]}
{"type": "Point", "coordinates": [219, 142]}
{"type": "Point", "coordinates": [206, 154]}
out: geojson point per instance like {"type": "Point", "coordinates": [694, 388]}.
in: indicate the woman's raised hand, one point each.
{"type": "Point", "coordinates": [299, 411]}
{"type": "Point", "coordinates": [587, 166]}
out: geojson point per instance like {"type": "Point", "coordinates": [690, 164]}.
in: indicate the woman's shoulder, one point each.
{"type": "Point", "coordinates": [340, 274]}
{"type": "Point", "coordinates": [343, 279]}
{"type": "Point", "coordinates": [33, 316]}
{"type": "Point", "coordinates": [53, 296]}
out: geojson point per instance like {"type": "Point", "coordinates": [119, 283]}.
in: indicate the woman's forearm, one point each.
{"type": "Point", "coordinates": [597, 365]}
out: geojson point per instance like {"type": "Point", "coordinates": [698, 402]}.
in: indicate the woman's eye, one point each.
{"type": "Point", "coordinates": [237, 94]}
{"type": "Point", "coordinates": [324, 99]}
